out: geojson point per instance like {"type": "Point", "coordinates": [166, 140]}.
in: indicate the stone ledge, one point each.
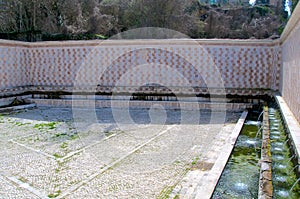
{"type": "Point", "coordinates": [133, 90]}
{"type": "Point", "coordinates": [81, 103]}
{"type": "Point", "coordinates": [141, 42]}
{"type": "Point", "coordinates": [15, 108]}
{"type": "Point", "coordinates": [265, 190]}
{"type": "Point", "coordinates": [215, 173]}
{"type": "Point", "coordinates": [291, 124]}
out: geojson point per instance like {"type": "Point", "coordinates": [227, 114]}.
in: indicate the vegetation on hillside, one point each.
{"type": "Point", "coordinates": [35, 20]}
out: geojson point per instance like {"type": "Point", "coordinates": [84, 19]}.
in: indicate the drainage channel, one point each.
{"type": "Point", "coordinates": [241, 175]}
{"type": "Point", "coordinates": [278, 177]}
{"type": "Point", "coordinates": [284, 171]}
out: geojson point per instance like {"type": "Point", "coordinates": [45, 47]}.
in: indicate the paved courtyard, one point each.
{"type": "Point", "coordinates": [45, 153]}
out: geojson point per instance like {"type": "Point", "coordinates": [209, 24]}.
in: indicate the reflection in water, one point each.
{"type": "Point", "coordinates": [280, 178]}
{"type": "Point", "coordinates": [277, 157]}
{"type": "Point", "coordinates": [282, 193]}
{"type": "Point", "coordinates": [280, 166]}
{"type": "Point", "coordinates": [240, 187]}
{"type": "Point", "coordinates": [278, 149]}
{"type": "Point", "coordinates": [276, 132]}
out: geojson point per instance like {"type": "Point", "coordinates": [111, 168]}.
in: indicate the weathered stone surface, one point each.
{"type": "Point", "coordinates": [264, 197]}
{"type": "Point", "coordinates": [267, 188]}
{"type": "Point", "coordinates": [265, 166]}
{"type": "Point", "coordinates": [265, 179]}
{"type": "Point", "coordinates": [43, 155]}
{"type": "Point", "coordinates": [203, 166]}
{"type": "Point", "coordinates": [267, 175]}
{"type": "Point", "coordinates": [267, 159]}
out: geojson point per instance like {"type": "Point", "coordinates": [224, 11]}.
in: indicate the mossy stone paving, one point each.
{"type": "Point", "coordinates": [43, 155]}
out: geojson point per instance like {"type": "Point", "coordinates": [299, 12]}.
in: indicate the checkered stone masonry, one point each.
{"type": "Point", "coordinates": [290, 72]}
{"type": "Point", "coordinates": [13, 70]}
{"type": "Point", "coordinates": [244, 67]}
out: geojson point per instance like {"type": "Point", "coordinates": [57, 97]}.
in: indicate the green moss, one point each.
{"type": "Point", "coordinates": [165, 193]}
{"type": "Point", "coordinates": [74, 136]}
{"type": "Point", "coordinates": [195, 160]}
{"type": "Point", "coordinates": [54, 195]}
{"type": "Point", "coordinates": [21, 123]}
{"type": "Point", "coordinates": [108, 133]}
{"type": "Point", "coordinates": [176, 196]}
{"type": "Point", "coordinates": [36, 139]}
{"type": "Point", "coordinates": [45, 126]}
{"type": "Point", "coordinates": [22, 179]}
{"type": "Point", "coordinates": [263, 10]}
{"type": "Point", "coordinates": [56, 135]}
{"type": "Point", "coordinates": [56, 155]}
{"type": "Point", "coordinates": [280, 29]}
{"type": "Point", "coordinates": [64, 145]}
{"type": "Point", "coordinates": [177, 162]}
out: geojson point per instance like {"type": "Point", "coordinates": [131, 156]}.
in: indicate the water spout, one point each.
{"type": "Point", "coordinates": [260, 115]}
{"type": "Point", "coordinates": [259, 130]}
{"type": "Point", "coordinates": [290, 147]}
{"type": "Point", "coordinates": [293, 169]}
{"type": "Point", "coordinates": [294, 185]}
{"type": "Point", "coordinates": [291, 158]}
{"type": "Point", "coordinates": [286, 141]}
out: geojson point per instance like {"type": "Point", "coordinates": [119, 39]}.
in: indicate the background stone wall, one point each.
{"type": "Point", "coordinates": [243, 67]}
{"type": "Point", "coordinates": [13, 68]}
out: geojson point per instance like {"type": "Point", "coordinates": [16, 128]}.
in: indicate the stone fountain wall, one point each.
{"type": "Point", "coordinates": [241, 67]}
{"type": "Point", "coordinates": [14, 69]}
{"type": "Point", "coordinates": [290, 71]}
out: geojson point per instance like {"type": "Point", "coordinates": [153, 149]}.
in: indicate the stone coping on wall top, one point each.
{"type": "Point", "coordinates": [155, 42]}
{"type": "Point", "coordinates": [291, 123]}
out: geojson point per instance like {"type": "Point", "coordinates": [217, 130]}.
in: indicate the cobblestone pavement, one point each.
{"type": "Point", "coordinates": [43, 155]}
